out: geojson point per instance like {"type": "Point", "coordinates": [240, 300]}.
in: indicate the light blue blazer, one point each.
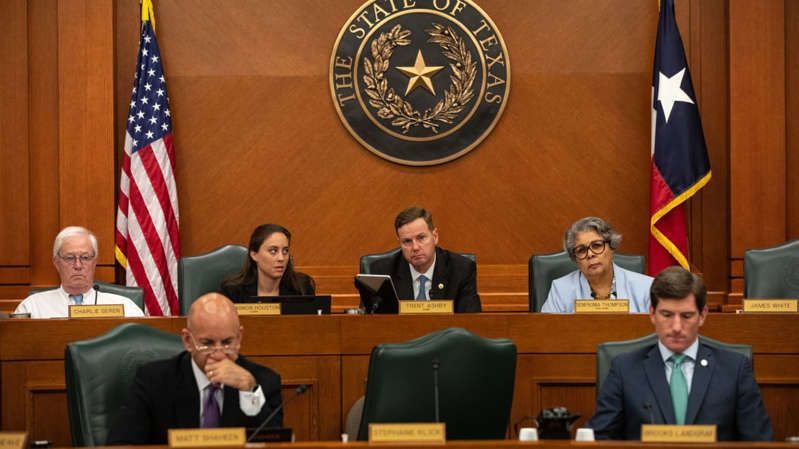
{"type": "Point", "coordinates": [628, 285]}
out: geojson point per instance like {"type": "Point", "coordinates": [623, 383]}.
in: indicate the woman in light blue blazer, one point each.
{"type": "Point", "coordinates": [591, 243]}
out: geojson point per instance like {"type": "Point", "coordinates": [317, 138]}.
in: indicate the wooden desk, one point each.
{"type": "Point", "coordinates": [500, 444]}
{"type": "Point", "coordinates": [556, 362]}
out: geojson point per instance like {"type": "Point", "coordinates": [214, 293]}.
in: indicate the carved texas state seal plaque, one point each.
{"type": "Point", "coordinates": [419, 82]}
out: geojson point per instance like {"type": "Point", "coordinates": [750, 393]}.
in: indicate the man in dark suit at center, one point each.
{"type": "Point", "coordinates": [423, 271]}
{"type": "Point", "coordinates": [207, 385]}
{"type": "Point", "coordinates": [680, 380]}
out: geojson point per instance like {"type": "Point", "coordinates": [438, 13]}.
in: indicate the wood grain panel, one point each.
{"type": "Point", "coordinates": [44, 148]}
{"type": "Point", "coordinates": [757, 124]}
{"type": "Point", "coordinates": [14, 177]}
{"type": "Point", "coordinates": [86, 141]}
{"type": "Point", "coordinates": [792, 114]}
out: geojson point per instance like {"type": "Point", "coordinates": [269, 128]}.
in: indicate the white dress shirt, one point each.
{"type": "Point", "coordinates": [428, 274]}
{"type": "Point", "coordinates": [688, 364]}
{"type": "Point", "coordinates": [250, 402]}
{"type": "Point", "coordinates": [55, 303]}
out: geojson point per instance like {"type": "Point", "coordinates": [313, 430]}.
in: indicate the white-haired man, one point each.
{"type": "Point", "coordinates": [74, 257]}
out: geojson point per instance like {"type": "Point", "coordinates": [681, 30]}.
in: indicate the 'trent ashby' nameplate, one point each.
{"type": "Point", "coordinates": [659, 433]}
{"type": "Point", "coordinates": [407, 433]}
{"type": "Point", "coordinates": [771, 305]}
{"type": "Point", "coordinates": [602, 306]}
{"type": "Point", "coordinates": [97, 311]}
{"type": "Point", "coordinates": [432, 306]}
{"type": "Point", "coordinates": [263, 308]}
{"type": "Point", "coordinates": [223, 436]}
{"type": "Point", "coordinates": [12, 440]}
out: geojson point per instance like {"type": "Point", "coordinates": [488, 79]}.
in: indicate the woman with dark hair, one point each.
{"type": "Point", "coordinates": [269, 269]}
{"type": "Point", "coordinates": [591, 243]}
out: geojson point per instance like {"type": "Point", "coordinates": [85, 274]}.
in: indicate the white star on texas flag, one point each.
{"type": "Point", "coordinates": [670, 92]}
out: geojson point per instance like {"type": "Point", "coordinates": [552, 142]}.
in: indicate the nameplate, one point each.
{"type": "Point", "coordinates": [97, 311]}
{"type": "Point", "coordinates": [602, 306]}
{"type": "Point", "coordinates": [223, 436]}
{"type": "Point", "coordinates": [407, 433]}
{"type": "Point", "coordinates": [12, 440]}
{"type": "Point", "coordinates": [432, 306]}
{"type": "Point", "coordinates": [771, 305]}
{"type": "Point", "coordinates": [261, 308]}
{"type": "Point", "coordinates": [659, 433]}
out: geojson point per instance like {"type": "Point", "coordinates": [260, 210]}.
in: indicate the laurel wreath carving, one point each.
{"type": "Point", "coordinates": [390, 105]}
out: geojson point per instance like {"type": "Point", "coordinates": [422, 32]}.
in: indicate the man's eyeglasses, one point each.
{"type": "Point", "coordinates": [73, 259]}
{"type": "Point", "coordinates": [227, 347]}
{"type": "Point", "coordinates": [597, 247]}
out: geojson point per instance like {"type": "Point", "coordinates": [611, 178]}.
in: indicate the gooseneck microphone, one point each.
{"type": "Point", "coordinates": [96, 288]}
{"type": "Point", "coordinates": [648, 408]}
{"type": "Point", "coordinates": [298, 392]}
{"type": "Point", "coordinates": [436, 365]}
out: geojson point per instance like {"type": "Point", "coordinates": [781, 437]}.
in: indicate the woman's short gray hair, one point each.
{"type": "Point", "coordinates": [72, 231]}
{"type": "Point", "coordinates": [587, 224]}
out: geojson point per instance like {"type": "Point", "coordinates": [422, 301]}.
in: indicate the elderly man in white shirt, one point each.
{"type": "Point", "coordinates": [75, 258]}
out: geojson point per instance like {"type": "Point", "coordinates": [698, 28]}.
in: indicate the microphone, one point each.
{"type": "Point", "coordinates": [298, 392]}
{"type": "Point", "coordinates": [436, 364]}
{"type": "Point", "coordinates": [96, 288]}
{"type": "Point", "coordinates": [648, 408]}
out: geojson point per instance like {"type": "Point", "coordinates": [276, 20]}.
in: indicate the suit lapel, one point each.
{"type": "Point", "coordinates": [230, 408]}
{"type": "Point", "coordinates": [700, 382]}
{"type": "Point", "coordinates": [187, 396]}
{"type": "Point", "coordinates": [440, 280]}
{"type": "Point", "coordinates": [656, 376]}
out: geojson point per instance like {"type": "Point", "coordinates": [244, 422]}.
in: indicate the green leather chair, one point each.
{"type": "Point", "coordinates": [772, 272]}
{"type": "Point", "coordinates": [475, 384]}
{"type": "Point", "coordinates": [606, 352]}
{"type": "Point", "coordinates": [198, 275]}
{"type": "Point", "coordinates": [135, 294]}
{"type": "Point", "coordinates": [368, 259]}
{"type": "Point", "coordinates": [99, 374]}
{"type": "Point", "coordinates": [542, 269]}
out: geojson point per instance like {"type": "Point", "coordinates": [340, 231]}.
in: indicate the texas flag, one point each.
{"type": "Point", "coordinates": [680, 164]}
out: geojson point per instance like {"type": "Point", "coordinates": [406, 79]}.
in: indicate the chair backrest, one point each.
{"type": "Point", "coordinates": [475, 383]}
{"type": "Point", "coordinates": [606, 352]}
{"type": "Point", "coordinates": [368, 259]}
{"type": "Point", "coordinates": [204, 273]}
{"type": "Point", "coordinates": [542, 269]}
{"type": "Point", "coordinates": [99, 374]}
{"type": "Point", "coordinates": [772, 272]}
{"type": "Point", "coordinates": [135, 294]}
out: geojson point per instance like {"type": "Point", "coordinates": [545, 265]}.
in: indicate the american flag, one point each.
{"type": "Point", "coordinates": [147, 242]}
{"type": "Point", "coordinates": [680, 164]}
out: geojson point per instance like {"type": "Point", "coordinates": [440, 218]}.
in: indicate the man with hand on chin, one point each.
{"type": "Point", "coordinates": [207, 385]}
{"type": "Point", "coordinates": [680, 380]}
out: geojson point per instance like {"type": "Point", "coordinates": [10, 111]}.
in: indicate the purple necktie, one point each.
{"type": "Point", "coordinates": [211, 407]}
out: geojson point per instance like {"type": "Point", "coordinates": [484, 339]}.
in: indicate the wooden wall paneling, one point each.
{"type": "Point", "coordinates": [776, 375]}
{"type": "Point", "coordinates": [757, 124]}
{"type": "Point", "coordinates": [354, 371]}
{"type": "Point", "coordinates": [709, 231]}
{"type": "Point", "coordinates": [40, 403]}
{"type": "Point", "coordinates": [44, 140]}
{"type": "Point", "coordinates": [86, 119]}
{"type": "Point", "coordinates": [14, 176]}
{"type": "Point", "coordinates": [792, 115]}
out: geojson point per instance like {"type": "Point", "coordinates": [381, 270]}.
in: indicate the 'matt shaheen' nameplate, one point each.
{"type": "Point", "coordinates": [432, 306]}
{"type": "Point", "coordinates": [407, 433]}
{"type": "Point", "coordinates": [223, 436]}
{"type": "Point", "coordinates": [771, 305]}
{"type": "Point", "coordinates": [659, 433]}
{"type": "Point", "coordinates": [262, 308]}
{"type": "Point", "coordinates": [97, 311]}
{"type": "Point", "coordinates": [602, 306]}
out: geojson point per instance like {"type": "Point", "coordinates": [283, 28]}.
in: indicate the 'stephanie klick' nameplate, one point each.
{"type": "Point", "coordinates": [263, 308]}
{"type": "Point", "coordinates": [432, 306]}
{"type": "Point", "coordinates": [407, 433]}
{"type": "Point", "coordinates": [602, 306]}
{"type": "Point", "coordinates": [658, 433]}
{"type": "Point", "coordinates": [223, 436]}
{"type": "Point", "coordinates": [771, 305]}
{"type": "Point", "coordinates": [12, 440]}
{"type": "Point", "coordinates": [97, 311]}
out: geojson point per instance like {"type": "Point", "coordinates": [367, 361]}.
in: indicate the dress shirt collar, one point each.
{"type": "Point", "coordinates": [690, 351]}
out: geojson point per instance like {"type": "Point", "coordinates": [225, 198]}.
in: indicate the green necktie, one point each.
{"type": "Point", "coordinates": [679, 388]}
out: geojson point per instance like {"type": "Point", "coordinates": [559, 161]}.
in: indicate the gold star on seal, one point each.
{"type": "Point", "coordinates": [420, 74]}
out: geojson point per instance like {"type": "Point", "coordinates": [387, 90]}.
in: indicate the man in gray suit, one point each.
{"type": "Point", "coordinates": [680, 380]}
